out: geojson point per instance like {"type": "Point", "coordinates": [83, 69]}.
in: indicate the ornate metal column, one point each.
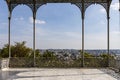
{"type": "Point", "coordinates": [119, 17]}
{"type": "Point", "coordinates": [9, 34]}
{"type": "Point", "coordinates": [81, 6]}
{"type": "Point", "coordinates": [10, 9]}
{"type": "Point", "coordinates": [119, 5]}
{"type": "Point", "coordinates": [34, 38]}
{"type": "Point", "coordinates": [82, 42]}
{"type": "Point", "coordinates": [108, 39]}
{"type": "Point", "coordinates": [34, 7]}
{"type": "Point", "coordinates": [34, 17]}
{"type": "Point", "coordinates": [83, 11]}
{"type": "Point", "coordinates": [108, 32]}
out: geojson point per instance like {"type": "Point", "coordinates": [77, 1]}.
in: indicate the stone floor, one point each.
{"type": "Point", "coordinates": [56, 74]}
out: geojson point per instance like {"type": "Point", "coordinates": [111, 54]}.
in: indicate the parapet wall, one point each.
{"type": "Point", "coordinates": [4, 63]}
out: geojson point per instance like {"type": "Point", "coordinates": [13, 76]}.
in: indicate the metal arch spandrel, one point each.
{"type": "Point", "coordinates": [38, 6]}
{"type": "Point", "coordinates": [86, 5]}
{"type": "Point", "coordinates": [13, 6]}
{"type": "Point", "coordinates": [79, 5]}
{"type": "Point", "coordinates": [83, 8]}
{"type": "Point", "coordinates": [34, 8]}
{"type": "Point", "coordinates": [30, 6]}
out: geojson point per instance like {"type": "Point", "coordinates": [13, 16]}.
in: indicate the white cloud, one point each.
{"type": "Point", "coordinates": [92, 41]}
{"type": "Point", "coordinates": [115, 6]}
{"type": "Point", "coordinates": [19, 19]}
{"type": "Point", "coordinates": [115, 32]}
{"type": "Point", "coordinates": [102, 10]}
{"type": "Point", "coordinates": [99, 40]}
{"type": "Point", "coordinates": [41, 31]}
{"type": "Point", "coordinates": [72, 34]}
{"type": "Point", "coordinates": [3, 25]}
{"type": "Point", "coordinates": [115, 39]}
{"type": "Point", "coordinates": [37, 21]}
{"type": "Point", "coordinates": [40, 22]}
{"type": "Point", "coordinates": [3, 40]}
{"type": "Point", "coordinates": [102, 22]}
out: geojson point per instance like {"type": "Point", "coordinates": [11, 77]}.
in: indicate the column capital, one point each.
{"type": "Point", "coordinates": [108, 17]}
{"type": "Point", "coordinates": [83, 17]}
{"type": "Point", "coordinates": [34, 18]}
{"type": "Point", "coordinates": [34, 15]}
{"type": "Point", "coordinates": [9, 17]}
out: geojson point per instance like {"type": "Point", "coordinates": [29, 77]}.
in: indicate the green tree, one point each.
{"type": "Point", "coordinates": [4, 51]}
{"type": "Point", "coordinates": [88, 55]}
{"type": "Point", "coordinates": [18, 50]}
{"type": "Point", "coordinates": [48, 54]}
{"type": "Point", "coordinates": [37, 54]}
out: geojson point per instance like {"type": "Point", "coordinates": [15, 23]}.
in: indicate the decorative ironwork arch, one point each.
{"type": "Point", "coordinates": [16, 5]}
{"type": "Point", "coordinates": [37, 6]}
{"type": "Point", "coordinates": [81, 4]}
{"type": "Point", "coordinates": [82, 8]}
{"type": "Point", "coordinates": [105, 8]}
{"type": "Point", "coordinates": [37, 3]}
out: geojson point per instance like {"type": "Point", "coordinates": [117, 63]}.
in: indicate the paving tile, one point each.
{"type": "Point", "coordinates": [54, 74]}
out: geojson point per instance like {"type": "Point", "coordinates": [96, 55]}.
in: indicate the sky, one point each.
{"type": "Point", "coordinates": [58, 26]}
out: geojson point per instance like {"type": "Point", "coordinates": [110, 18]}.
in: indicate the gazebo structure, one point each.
{"type": "Point", "coordinates": [81, 4]}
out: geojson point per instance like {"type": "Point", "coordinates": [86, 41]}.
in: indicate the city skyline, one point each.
{"type": "Point", "coordinates": [59, 26]}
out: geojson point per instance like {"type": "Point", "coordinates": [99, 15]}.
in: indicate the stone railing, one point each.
{"type": "Point", "coordinates": [115, 64]}
{"type": "Point", "coordinates": [53, 62]}
{"type": "Point", "coordinates": [4, 63]}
